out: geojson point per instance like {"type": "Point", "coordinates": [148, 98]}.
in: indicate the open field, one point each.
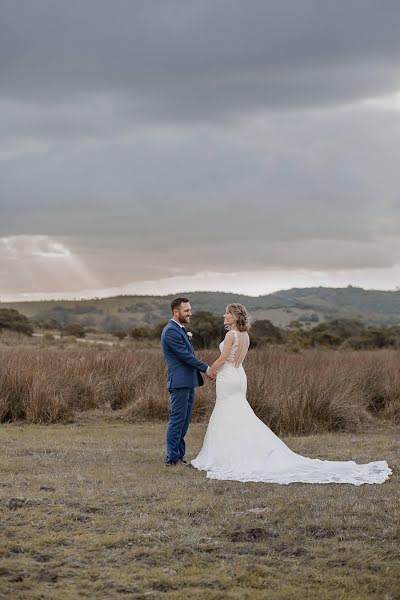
{"type": "Point", "coordinates": [89, 511]}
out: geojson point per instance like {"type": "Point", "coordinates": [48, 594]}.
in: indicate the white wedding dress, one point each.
{"type": "Point", "coordinates": [239, 446]}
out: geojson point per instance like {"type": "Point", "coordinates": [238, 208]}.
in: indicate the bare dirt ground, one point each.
{"type": "Point", "coordinates": [88, 510]}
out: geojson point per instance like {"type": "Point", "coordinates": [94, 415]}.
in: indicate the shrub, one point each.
{"type": "Point", "coordinates": [140, 333]}
{"type": "Point", "coordinates": [263, 332]}
{"type": "Point", "coordinates": [13, 320]}
{"type": "Point", "coordinates": [75, 329]}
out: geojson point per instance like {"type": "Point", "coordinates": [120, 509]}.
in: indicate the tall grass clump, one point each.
{"type": "Point", "coordinates": [31, 390]}
{"type": "Point", "coordinates": [303, 394]}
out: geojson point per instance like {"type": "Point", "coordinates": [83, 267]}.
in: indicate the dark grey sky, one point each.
{"type": "Point", "coordinates": [214, 141]}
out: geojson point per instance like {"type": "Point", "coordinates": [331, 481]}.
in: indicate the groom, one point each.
{"type": "Point", "coordinates": [183, 376]}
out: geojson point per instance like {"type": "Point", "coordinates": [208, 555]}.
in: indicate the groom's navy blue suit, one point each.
{"type": "Point", "coordinates": [183, 375]}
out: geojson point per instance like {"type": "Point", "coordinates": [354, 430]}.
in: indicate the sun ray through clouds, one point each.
{"type": "Point", "coordinates": [37, 262]}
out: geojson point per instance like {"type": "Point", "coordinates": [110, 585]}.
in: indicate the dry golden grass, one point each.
{"type": "Point", "coordinates": [294, 393]}
{"type": "Point", "coordinates": [90, 511]}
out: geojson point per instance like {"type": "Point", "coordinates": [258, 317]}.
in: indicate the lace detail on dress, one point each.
{"type": "Point", "coordinates": [234, 348]}
{"type": "Point", "coordinates": [240, 346]}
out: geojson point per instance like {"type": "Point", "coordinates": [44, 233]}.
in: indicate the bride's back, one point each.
{"type": "Point", "coordinates": [240, 347]}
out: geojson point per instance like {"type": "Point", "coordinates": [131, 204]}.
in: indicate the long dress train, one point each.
{"type": "Point", "coordinates": [239, 446]}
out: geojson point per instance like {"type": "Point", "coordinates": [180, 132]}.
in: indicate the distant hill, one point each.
{"type": "Point", "coordinates": [312, 305]}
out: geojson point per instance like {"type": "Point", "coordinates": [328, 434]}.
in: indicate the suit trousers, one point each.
{"type": "Point", "coordinates": [181, 402]}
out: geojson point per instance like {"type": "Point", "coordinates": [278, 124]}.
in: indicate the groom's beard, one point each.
{"type": "Point", "coordinates": [183, 320]}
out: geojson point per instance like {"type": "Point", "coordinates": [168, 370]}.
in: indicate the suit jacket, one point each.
{"type": "Point", "coordinates": [183, 368]}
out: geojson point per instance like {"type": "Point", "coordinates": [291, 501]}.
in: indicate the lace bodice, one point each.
{"type": "Point", "coordinates": [240, 346]}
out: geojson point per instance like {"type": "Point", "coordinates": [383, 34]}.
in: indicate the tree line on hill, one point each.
{"type": "Point", "coordinates": [208, 330]}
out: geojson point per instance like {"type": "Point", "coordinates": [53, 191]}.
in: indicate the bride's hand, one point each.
{"type": "Point", "coordinates": [211, 374]}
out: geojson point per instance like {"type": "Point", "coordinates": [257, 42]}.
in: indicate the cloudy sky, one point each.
{"type": "Point", "coordinates": [156, 146]}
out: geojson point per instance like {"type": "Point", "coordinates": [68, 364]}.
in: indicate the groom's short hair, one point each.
{"type": "Point", "coordinates": [177, 302]}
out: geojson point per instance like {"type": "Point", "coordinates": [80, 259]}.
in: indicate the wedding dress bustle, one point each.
{"type": "Point", "coordinates": [239, 446]}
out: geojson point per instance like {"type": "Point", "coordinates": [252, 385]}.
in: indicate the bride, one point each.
{"type": "Point", "coordinates": [240, 447]}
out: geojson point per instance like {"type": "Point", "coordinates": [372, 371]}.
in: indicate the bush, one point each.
{"type": "Point", "coordinates": [48, 338]}
{"type": "Point", "coordinates": [263, 332]}
{"type": "Point", "coordinates": [121, 335]}
{"type": "Point", "coordinates": [75, 329]}
{"type": "Point", "coordinates": [208, 330]}
{"type": "Point", "coordinates": [336, 331]}
{"type": "Point", "coordinates": [141, 333]}
{"type": "Point", "coordinates": [13, 320]}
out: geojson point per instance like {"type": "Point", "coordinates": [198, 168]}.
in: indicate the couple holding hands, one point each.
{"type": "Point", "coordinates": [238, 445]}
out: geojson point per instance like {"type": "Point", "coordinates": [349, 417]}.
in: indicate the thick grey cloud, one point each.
{"type": "Point", "coordinates": [303, 176]}
{"type": "Point", "coordinates": [158, 136]}
{"type": "Point", "coordinates": [205, 57]}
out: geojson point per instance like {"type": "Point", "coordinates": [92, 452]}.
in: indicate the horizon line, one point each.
{"type": "Point", "coordinates": [177, 294]}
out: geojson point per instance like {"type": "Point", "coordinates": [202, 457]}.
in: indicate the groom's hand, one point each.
{"type": "Point", "coordinates": [210, 374]}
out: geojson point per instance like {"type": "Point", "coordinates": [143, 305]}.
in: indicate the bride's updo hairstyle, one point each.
{"type": "Point", "coordinates": [239, 312]}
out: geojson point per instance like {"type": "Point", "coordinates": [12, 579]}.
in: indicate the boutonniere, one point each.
{"type": "Point", "coordinates": [190, 335]}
